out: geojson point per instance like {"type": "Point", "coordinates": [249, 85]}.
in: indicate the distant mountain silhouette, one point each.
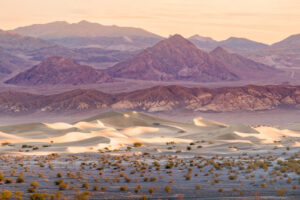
{"type": "Point", "coordinates": [285, 53]}
{"type": "Point", "coordinates": [243, 67]}
{"type": "Point", "coordinates": [87, 34]}
{"type": "Point", "coordinates": [232, 44]}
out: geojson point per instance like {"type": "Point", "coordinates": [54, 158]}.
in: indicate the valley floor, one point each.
{"type": "Point", "coordinates": [130, 155]}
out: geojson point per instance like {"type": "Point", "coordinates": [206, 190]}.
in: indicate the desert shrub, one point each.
{"type": "Point", "coordinates": [169, 165]}
{"type": "Point", "coordinates": [198, 187]}
{"type": "Point", "coordinates": [34, 184]}
{"type": "Point", "coordinates": [95, 187]}
{"type": "Point", "coordinates": [8, 181]}
{"type": "Point", "coordinates": [18, 195]}
{"type": "Point", "coordinates": [220, 190]}
{"type": "Point", "coordinates": [232, 177]}
{"type": "Point", "coordinates": [103, 189]}
{"type": "Point", "coordinates": [156, 164]}
{"type": "Point", "coordinates": [35, 148]}
{"type": "Point", "coordinates": [70, 175]}
{"type": "Point", "coordinates": [58, 175]}
{"type": "Point", "coordinates": [1, 176]}
{"type": "Point", "coordinates": [137, 189]}
{"type": "Point", "coordinates": [6, 143]}
{"type": "Point", "coordinates": [167, 189]}
{"type": "Point", "coordinates": [63, 186]}
{"type": "Point", "coordinates": [123, 188]}
{"type": "Point", "coordinates": [137, 144]}
{"type": "Point", "coordinates": [57, 182]}
{"type": "Point", "coordinates": [39, 196]}
{"type": "Point", "coordinates": [20, 179]}
{"type": "Point", "coordinates": [127, 179]}
{"type": "Point", "coordinates": [263, 185]}
{"type": "Point", "coordinates": [280, 192]}
{"type": "Point", "coordinates": [5, 195]}
{"type": "Point", "coordinates": [82, 196]}
{"type": "Point", "coordinates": [151, 190]}
{"type": "Point", "coordinates": [31, 190]}
{"type": "Point", "coordinates": [85, 185]}
{"type": "Point", "coordinates": [144, 197]}
{"type": "Point", "coordinates": [153, 179]}
{"type": "Point", "coordinates": [188, 176]}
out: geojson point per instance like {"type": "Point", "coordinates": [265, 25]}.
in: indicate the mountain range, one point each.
{"type": "Point", "coordinates": [159, 59]}
{"type": "Point", "coordinates": [176, 58]}
{"type": "Point", "coordinates": [59, 70]}
{"type": "Point", "coordinates": [87, 34]}
{"type": "Point", "coordinates": [159, 98]}
{"type": "Point", "coordinates": [18, 52]}
{"type": "Point", "coordinates": [282, 54]}
{"type": "Point", "coordinates": [172, 59]}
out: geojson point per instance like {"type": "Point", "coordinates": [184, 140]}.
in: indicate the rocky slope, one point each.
{"type": "Point", "coordinates": [283, 54]}
{"type": "Point", "coordinates": [245, 68]}
{"type": "Point", "coordinates": [173, 59]}
{"type": "Point", "coordinates": [59, 70]}
{"type": "Point", "coordinates": [160, 98]}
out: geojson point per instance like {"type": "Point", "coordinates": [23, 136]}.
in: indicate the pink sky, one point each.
{"type": "Point", "coordinates": [262, 20]}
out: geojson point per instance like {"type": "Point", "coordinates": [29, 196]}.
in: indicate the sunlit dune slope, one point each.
{"type": "Point", "coordinates": [115, 131]}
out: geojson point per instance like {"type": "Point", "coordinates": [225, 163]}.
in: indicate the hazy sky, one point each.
{"type": "Point", "coordinates": [262, 20]}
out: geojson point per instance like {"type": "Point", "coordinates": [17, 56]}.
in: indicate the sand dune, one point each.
{"type": "Point", "coordinates": [59, 126]}
{"type": "Point", "coordinates": [117, 130]}
{"type": "Point", "coordinates": [134, 131]}
{"type": "Point", "coordinates": [270, 134]}
{"type": "Point", "coordinates": [199, 121]}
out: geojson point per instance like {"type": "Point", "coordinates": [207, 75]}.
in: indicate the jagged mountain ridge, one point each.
{"type": "Point", "coordinates": [172, 59]}
{"type": "Point", "coordinates": [178, 59]}
{"type": "Point", "coordinates": [159, 98]}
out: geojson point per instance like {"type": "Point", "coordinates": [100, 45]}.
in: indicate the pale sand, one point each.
{"type": "Point", "coordinates": [199, 121]}
{"type": "Point", "coordinates": [59, 126]}
{"type": "Point", "coordinates": [270, 134]}
{"type": "Point", "coordinates": [296, 144]}
{"type": "Point", "coordinates": [134, 131]}
{"type": "Point", "coordinates": [118, 130]}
